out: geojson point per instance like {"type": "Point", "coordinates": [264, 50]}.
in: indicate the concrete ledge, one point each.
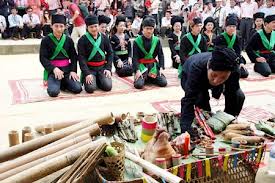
{"type": "Point", "coordinates": [11, 47]}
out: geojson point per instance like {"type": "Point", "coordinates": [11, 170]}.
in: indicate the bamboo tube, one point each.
{"type": "Point", "coordinates": [167, 176]}
{"type": "Point", "coordinates": [48, 129]}
{"type": "Point", "coordinates": [28, 137]}
{"type": "Point", "coordinates": [34, 144]}
{"type": "Point", "coordinates": [52, 165]}
{"type": "Point", "coordinates": [19, 169]}
{"type": "Point", "coordinates": [13, 138]}
{"type": "Point", "coordinates": [57, 126]}
{"type": "Point", "coordinates": [101, 120]}
{"type": "Point", "coordinates": [39, 153]}
{"type": "Point", "coordinates": [25, 130]}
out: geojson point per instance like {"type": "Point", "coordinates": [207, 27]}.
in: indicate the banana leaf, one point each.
{"type": "Point", "coordinates": [265, 128]}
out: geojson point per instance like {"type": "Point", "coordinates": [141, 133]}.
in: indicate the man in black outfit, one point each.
{"type": "Point", "coordinates": [205, 71]}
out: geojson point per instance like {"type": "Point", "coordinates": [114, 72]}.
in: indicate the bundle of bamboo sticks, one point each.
{"type": "Point", "coordinates": [42, 156]}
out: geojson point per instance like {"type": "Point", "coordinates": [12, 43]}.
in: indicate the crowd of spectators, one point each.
{"type": "Point", "coordinates": [21, 19]}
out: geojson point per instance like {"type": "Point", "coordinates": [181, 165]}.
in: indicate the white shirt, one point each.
{"type": "Point", "coordinates": [248, 9]}
{"type": "Point", "coordinates": [34, 19]}
{"type": "Point", "coordinates": [136, 23]}
{"type": "Point", "coordinates": [155, 7]}
{"type": "Point", "coordinates": [102, 4]}
{"type": "Point", "coordinates": [176, 7]}
{"type": "Point", "coordinates": [268, 11]}
{"type": "Point", "coordinates": [165, 22]}
{"type": "Point", "coordinates": [226, 11]}
{"type": "Point", "coordinates": [15, 20]}
{"type": "Point", "coordinates": [3, 22]}
{"type": "Point", "coordinates": [21, 3]}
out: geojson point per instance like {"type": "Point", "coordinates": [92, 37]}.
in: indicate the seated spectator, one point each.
{"type": "Point", "coordinates": [31, 24]}
{"type": "Point", "coordinates": [166, 24]}
{"type": "Point", "coordinates": [21, 6]}
{"type": "Point", "coordinates": [3, 27]}
{"type": "Point", "coordinates": [16, 24]}
{"type": "Point", "coordinates": [46, 23]}
{"type": "Point", "coordinates": [137, 24]}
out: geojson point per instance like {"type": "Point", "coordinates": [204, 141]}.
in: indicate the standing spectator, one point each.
{"type": "Point", "coordinates": [31, 24]}
{"type": "Point", "coordinates": [137, 24]}
{"type": "Point", "coordinates": [108, 14]}
{"type": "Point", "coordinates": [248, 8]}
{"type": "Point", "coordinates": [92, 8]}
{"type": "Point", "coordinates": [175, 7]}
{"type": "Point", "coordinates": [46, 23]}
{"type": "Point", "coordinates": [166, 24]}
{"type": "Point", "coordinates": [269, 9]}
{"type": "Point", "coordinates": [208, 11]}
{"type": "Point", "coordinates": [231, 9]}
{"type": "Point", "coordinates": [35, 5]}
{"type": "Point", "coordinates": [3, 27]}
{"type": "Point", "coordinates": [53, 6]}
{"type": "Point", "coordinates": [128, 9]}
{"type": "Point", "coordinates": [21, 6]}
{"type": "Point", "coordinates": [5, 6]}
{"type": "Point", "coordinates": [153, 10]}
{"type": "Point", "coordinates": [194, 13]}
{"type": "Point", "coordinates": [216, 15]}
{"type": "Point", "coordinates": [138, 5]}
{"type": "Point", "coordinates": [260, 4]}
{"type": "Point", "coordinates": [115, 6]}
{"type": "Point", "coordinates": [16, 24]}
{"type": "Point", "coordinates": [79, 26]}
{"type": "Point", "coordinates": [101, 5]}
{"type": "Point", "coordinates": [185, 10]}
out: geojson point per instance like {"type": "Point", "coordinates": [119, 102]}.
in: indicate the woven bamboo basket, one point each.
{"type": "Point", "coordinates": [241, 168]}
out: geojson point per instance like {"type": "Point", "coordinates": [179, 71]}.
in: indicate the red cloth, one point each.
{"type": "Point", "coordinates": [148, 3]}
{"type": "Point", "coordinates": [44, 4]}
{"type": "Point", "coordinates": [79, 21]}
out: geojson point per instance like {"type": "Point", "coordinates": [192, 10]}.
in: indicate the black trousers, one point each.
{"type": "Point", "coordinates": [15, 31]}
{"type": "Point", "coordinates": [265, 68]}
{"type": "Point", "coordinates": [243, 73]}
{"type": "Point", "coordinates": [160, 80]}
{"type": "Point", "coordinates": [126, 70]}
{"type": "Point", "coordinates": [55, 85]}
{"type": "Point", "coordinates": [100, 81]}
{"type": "Point", "coordinates": [27, 30]}
{"type": "Point", "coordinates": [245, 28]}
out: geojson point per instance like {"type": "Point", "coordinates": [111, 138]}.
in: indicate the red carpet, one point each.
{"type": "Point", "coordinates": [32, 90]}
{"type": "Point", "coordinates": [262, 111]}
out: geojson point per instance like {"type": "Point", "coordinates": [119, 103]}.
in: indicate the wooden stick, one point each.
{"type": "Point", "coordinates": [13, 138]}
{"type": "Point", "coordinates": [52, 165]}
{"type": "Point", "coordinates": [25, 130]}
{"type": "Point", "coordinates": [24, 167]}
{"type": "Point", "coordinates": [34, 144]}
{"type": "Point", "coordinates": [57, 126]}
{"type": "Point", "coordinates": [28, 137]}
{"type": "Point", "coordinates": [39, 153]}
{"type": "Point", "coordinates": [153, 168]}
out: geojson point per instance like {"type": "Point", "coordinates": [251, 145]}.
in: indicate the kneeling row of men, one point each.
{"type": "Point", "coordinates": [96, 55]}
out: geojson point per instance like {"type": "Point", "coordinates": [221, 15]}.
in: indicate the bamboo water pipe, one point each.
{"type": "Point", "coordinates": [31, 164]}
{"type": "Point", "coordinates": [28, 137]}
{"type": "Point", "coordinates": [34, 144]}
{"type": "Point", "coordinates": [153, 168]}
{"type": "Point", "coordinates": [39, 153]}
{"type": "Point", "coordinates": [13, 138]}
{"type": "Point", "coordinates": [25, 130]}
{"type": "Point", "coordinates": [52, 165]}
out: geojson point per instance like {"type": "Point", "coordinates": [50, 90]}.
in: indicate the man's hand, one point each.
{"type": "Point", "coordinates": [58, 74]}
{"type": "Point", "coordinates": [260, 59]}
{"type": "Point", "coordinates": [177, 58]}
{"type": "Point", "coordinates": [130, 61]}
{"type": "Point", "coordinates": [107, 73]}
{"type": "Point", "coordinates": [138, 75]}
{"type": "Point", "coordinates": [119, 64]}
{"type": "Point", "coordinates": [74, 76]}
{"type": "Point", "coordinates": [160, 71]}
{"type": "Point", "coordinates": [89, 79]}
